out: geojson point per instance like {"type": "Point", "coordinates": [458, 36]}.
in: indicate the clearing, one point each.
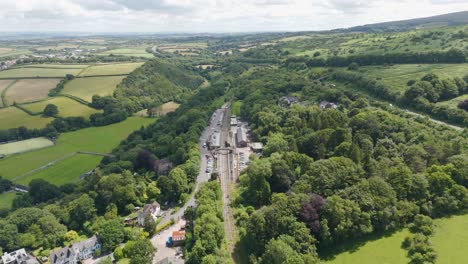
{"type": "Point", "coordinates": [12, 117]}
{"type": "Point", "coordinates": [30, 90]}
{"type": "Point", "coordinates": [111, 69]}
{"type": "Point", "coordinates": [25, 145]}
{"type": "Point", "coordinates": [162, 110]}
{"type": "Point", "coordinates": [6, 200]}
{"type": "Point", "coordinates": [93, 139]}
{"type": "Point", "coordinates": [449, 242]}
{"type": "Point", "coordinates": [66, 107]}
{"type": "Point", "coordinates": [30, 72]}
{"type": "Point", "coordinates": [85, 88]}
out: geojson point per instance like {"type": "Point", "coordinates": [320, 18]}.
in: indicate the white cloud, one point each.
{"type": "Point", "coordinates": [210, 15]}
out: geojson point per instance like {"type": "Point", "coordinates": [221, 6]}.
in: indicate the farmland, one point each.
{"type": "Point", "coordinates": [3, 85]}
{"type": "Point", "coordinates": [25, 145]}
{"type": "Point", "coordinates": [131, 52]}
{"type": "Point", "coordinates": [57, 66]}
{"type": "Point", "coordinates": [94, 139]}
{"type": "Point", "coordinates": [30, 90]}
{"type": "Point", "coordinates": [29, 72]}
{"type": "Point", "coordinates": [66, 107]}
{"type": "Point", "coordinates": [12, 117]}
{"type": "Point", "coordinates": [85, 88]}
{"type": "Point", "coordinates": [110, 69]}
{"type": "Point", "coordinates": [7, 52]}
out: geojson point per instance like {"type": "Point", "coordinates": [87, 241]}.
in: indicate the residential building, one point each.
{"type": "Point", "coordinates": [178, 238]}
{"type": "Point", "coordinates": [288, 101]}
{"type": "Point", "coordinates": [327, 105]}
{"type": "Point", "coordinates": [18, 257]}
{"type": "Point", "coordinates": [257, 147]}
{"type": "Point", "coordinates": [153, 210]}
{"type": "Point", "coordinates": [77, 252]}
{"type": "Point", "coordinates": [215, 141]}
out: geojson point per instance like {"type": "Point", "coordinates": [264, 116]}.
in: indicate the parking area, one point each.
{"type": "Point", "coordinates": [162, 251]}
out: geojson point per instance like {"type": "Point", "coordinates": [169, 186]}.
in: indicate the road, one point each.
{"type": "Point", "coordinates": [434, 120]}
{"type": "Point", "coordinates": [159, 240]}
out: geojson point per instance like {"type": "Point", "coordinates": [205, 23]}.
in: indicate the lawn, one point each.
{"type": "Point", "coordinates": [85, 88]}
{"type": "Point", "coordinates": [6, 200]}
{"type": "Point", "coordinates": [65, 171]}
{"type": "Point", "coordinates": [12, 117]}
{"type": "Point", "coordinates": [397, 76]}
{"type": "Point", "coordinates": [110, 69]}
{"type": "Point", "coordinates": [37, 72]}
{"type": "Point", "coordinates": [93, 139]}
{"type": "Point", "coordinates": [25, 145]}
{"type": "Point", "coordinates": [386, 250]}
{"type": "Point", "coordinates": [66, 107]}
{"type": "Point", "coordinates": [30, 90]}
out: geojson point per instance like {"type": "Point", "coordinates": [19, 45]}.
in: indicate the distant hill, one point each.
{"type": "Point", "coordinates": [452, 19]}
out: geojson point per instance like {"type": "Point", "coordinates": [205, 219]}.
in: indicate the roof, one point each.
{"type": "Point", "coordinates": [149, 209]}
{"type": "Point", "coordinates": [18, 256]}
{"type": "Point", "coordinates": [216, 139]}
{"type": "Point", "coordinates": [60, 255]}
{"type": "Point", "coordinates": [64, 253]}
{"type": "Point", "coordinates": [85, 244]}
{"type": "Point", "coordinates": [241, 135]}
{"type": "Point", "coordinates": [178, 235]}
{"type": "Point", "coordinates": [257, 145]}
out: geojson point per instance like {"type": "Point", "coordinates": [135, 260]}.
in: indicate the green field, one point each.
{"type": "Point", "coordinates": [454, 102]}
{"type": "Point", "coordinates": [131, 52]}
{"type": "Point", "coordinates": [6, 200]}
{"type": "Point", "coordinates": [25, 145]}
{"type": "Point", "coordinates": [37, 72]}
{"type": "Point", "coordinates": [12, 117]}
{"type": "Point", "coordinates": [397, 76]}
{"type": "Point", "coordinates": [61, 66]}
{"type": "Point", "coordinates": [110, 69]}
{"type": "Point", "coordinates": [85, 88]}
{"type": "Point", "coordinates": [450, 242]}
{"type": "Point", "coordinates": [385, 250]}
{"type": "Point", "coordinates": [66, 107]}
{"type": "Point", "coordinates": [65, 171]}
{"type": "Point", "coordinates": [3, 85]}
{"type": "Point", "coordinates": [94, 139]}
{"type": "Point", "coordinates": [14, 52]}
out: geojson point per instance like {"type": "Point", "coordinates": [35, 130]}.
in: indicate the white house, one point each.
{"type": "Point", "coordinates": [153, 210]}
{"type": "Point", "coordinates": [18, 257]}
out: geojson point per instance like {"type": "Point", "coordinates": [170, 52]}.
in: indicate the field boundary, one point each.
{"type": "Point", "coordinates": [104, 75]}
{"type": "Point", "coordinates": [75, 98]}
{"type": "Point", "coordinates": [27, 111]}
{"type": "Point", "coordinates": [32, 77]}
{"type": "Point", "coordinates": [4, 100]}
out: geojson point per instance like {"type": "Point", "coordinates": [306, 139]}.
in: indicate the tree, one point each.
{"type": "Point", "coordinates": [257, 189]}
{"type": "Point", "coordinates": [278, 252]}
{"type": "Point", "coordinates": [42, 191]}
{"type": "Point", "coordinates": [150, 224]}
{"type": "Point", "coordinates": [463, 105]}
{"type": "Point", "coordinates": [111, 233]}
{"type": "Point", "coordinates": [353, 66]}
{"type": "Point", "coordinates": [81, 210]}
{"type": "Point", "coordinates": [276, 143]}
{"type": "Point", "coordinates": [139, 251]}
{"type": "Point", "coordinates": [51, 110]}
{"type": "Point", "coordinates": [310, 213]}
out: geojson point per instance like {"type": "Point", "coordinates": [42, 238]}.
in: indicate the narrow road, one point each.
{"type": "Point", "coordinates": [434, 120]}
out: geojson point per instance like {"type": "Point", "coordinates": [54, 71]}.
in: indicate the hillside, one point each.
{"type": "Point", "coordinates": [452, 19]}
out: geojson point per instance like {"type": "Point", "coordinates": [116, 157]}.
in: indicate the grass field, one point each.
{"type": "Point", "coordinates": [397, 76]}
{"type": "Point", "coordinates": [385, 250]}
{"type": "Point", "coordinates": [85, 88]}
{"type": "Point", "coordinates": [61, 66]}
{"type": "Point", "coordinates": [12, 117]}
{"type": "Point", "coordinates": [66, 107]}
{"type": "Point", "coordinates": [450, 240]}
{"type": "Point", "coordinates": [65, 171]}
{"type": "Point", "coordinates": [94, 139]}
{"type": "Point", "coordinates": [109, 69]}
{"type": "Point", "coordinates": [6, 200]}
{"type": "Point", "coordinates": [131, 52]}
{"type": "Point", "coordinates": [14, 52]}
{"type": "Point", "coordinates": [19, 73]}
{"type": "Point", "coordinates": [454, 102]}
{"type": "Point", "coordinates": [3, 85]}
{"type": "Point", "coordinates": [162, 110]}
{"type": "Point", "coordinates": [25, 145]}
{"type": "Point", "coordinates": [30, 90]}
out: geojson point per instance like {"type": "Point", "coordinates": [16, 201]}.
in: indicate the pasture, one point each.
{"type": "Point", "coordinates": [397, 76]}
{"type": "Point", "coordinates": [450, 239]}
{"type": "Point", "coordinates": [111, 69]}
{"type": "Point", "coordinates": [30, 90]}
{"type": "Point", "coordinates": [65, 171]}
{"type": "Point", "coordinates": [25, 145]}
{"type": "Point", "coordinates": [93, 139]}
{"type": "Point", "coordinates": [30, 72]}
{"type": "Point", "coordinates": [12, 117]}
{"type": "Point", "coordinates": [386, 250]}
{"type": "Point", "coordinates": [7, 52]}
{"type": "Point", "coordinates": [131, 52]}
{"type": "Point", "coordinates": [67, 107]}
{"type": "Point", "coordinates": [6, 200]}
{"type": "Point", "coordinates": [85, 88]}
{"type": "Point", "coordinates": [4, 84]}
{"type": "Point", "coordinates": [57, 66]}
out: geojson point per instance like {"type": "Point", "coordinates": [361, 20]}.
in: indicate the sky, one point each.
{"type": "Point", "coordinates": [198, 16]}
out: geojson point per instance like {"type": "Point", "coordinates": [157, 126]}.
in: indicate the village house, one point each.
{"type": "Point", "coordinates": [257, 147]}
{"type": "Point", "coordinates": [327, 105]}
{"type": "Point", "coordinates": [288, 101]}
{"type": "Point", "coordinates": [77, 252]}
{"type": "Point", "coordinates": [241, 138]}
{"type": "Point", "coordinates": [18, 257]}
{"type": "Point", "coordinates": [153, 210]}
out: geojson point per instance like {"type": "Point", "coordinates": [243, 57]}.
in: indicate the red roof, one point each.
{"type": "Point", "coordinates": [178, 235]}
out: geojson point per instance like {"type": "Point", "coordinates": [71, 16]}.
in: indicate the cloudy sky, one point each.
{"type": "Point", "coordinates": [209, 15]}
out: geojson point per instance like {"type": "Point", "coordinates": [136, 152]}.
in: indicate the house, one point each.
{"type": "Point", "coordinates": [149, 209]}
{"type": "Point", "coordinates": [288, 101]}
{"type": "Point", "coordinates": [77, 252]}
{"type": "Point", "coordinates": [241, 138]}
{"type": "Point", "coordinates": [233, 121]}
{"type": "Point", "coordinates": [257, 147]}
{"type": "Point", "coordinates": [18, 257]}
{"type": "Point", "coordinates": [327, 105]}
{"type": "Point", "coordinates": [178, 238]}
{"type": "Point", "coordinates": [163, 166]}
{"type": "Point", "coordinates": [215, 141]}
